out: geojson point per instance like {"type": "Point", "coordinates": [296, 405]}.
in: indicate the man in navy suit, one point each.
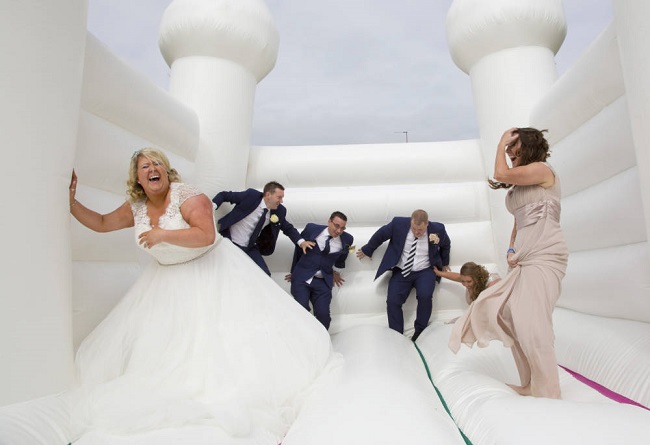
{"type": "Point", "coordinates": [316, 271]}
{"type": "Point", "coordinates": [256, 220]}
{"type": "Point", "coordinates": [416, 246]}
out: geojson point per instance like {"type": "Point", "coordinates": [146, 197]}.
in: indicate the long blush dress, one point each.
{"type": "Point", "coordinates": [518, 309]}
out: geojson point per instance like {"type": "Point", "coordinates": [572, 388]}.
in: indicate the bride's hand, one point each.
{"type": "Point", "coordinates": [73, 188]}
{"type": "Point", "coordinates": [151, 237]}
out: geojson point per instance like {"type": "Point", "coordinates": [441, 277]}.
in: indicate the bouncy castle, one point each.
{"type": "Point", "coordinates": [69, 102]}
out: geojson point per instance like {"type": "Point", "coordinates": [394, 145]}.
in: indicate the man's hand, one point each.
{"type": "Point", "coordinates": [446, 268]}
{"type": "Point", "coordinates": [287, 277]}
{"type": "Point", "coordinates": [338, 280]}
{"type": "Point", "coordinates": [360, 254]}
{"type": "Point", "coordinates": [307, 245]}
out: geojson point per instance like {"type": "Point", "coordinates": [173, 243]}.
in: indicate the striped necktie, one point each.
{"type": "Point", "coordinates": [408, 266]}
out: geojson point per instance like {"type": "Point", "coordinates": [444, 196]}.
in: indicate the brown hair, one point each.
{"type": "Point", "coordinates": [534, 148]}
{"type": "Point", "coordinates": [338, 214]}
{"type": "Point", "coordinates": [479, 274]}
{"type": "Point", "coordinates": [420, 217]}
{"type": "Point", "coordinates": [271, 187]}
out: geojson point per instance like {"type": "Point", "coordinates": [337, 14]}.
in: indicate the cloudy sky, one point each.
{"type": "Point", "coordinates": [348, 71]}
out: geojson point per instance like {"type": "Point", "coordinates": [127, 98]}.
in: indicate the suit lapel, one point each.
{"type": "Point", "coordinates": [404, 234]}
{"type": "Point", "coordinates": [317, 230]}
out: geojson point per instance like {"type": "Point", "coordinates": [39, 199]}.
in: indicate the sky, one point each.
{"type": "Point", "coordinates": [352, 72]}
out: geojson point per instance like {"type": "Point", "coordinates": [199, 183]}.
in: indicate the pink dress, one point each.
{"type": "Point", "coordinates": [518, 309]}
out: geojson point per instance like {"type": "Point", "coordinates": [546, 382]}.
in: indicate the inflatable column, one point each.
{"type": "Point", "coordinates": [42, 55]}
{"type": "Point", "coordinates": [507, 47]}
{"type": "Point", "coordinates": [633, 30]}
{"type": "Point", "coordinates": [218, 50]}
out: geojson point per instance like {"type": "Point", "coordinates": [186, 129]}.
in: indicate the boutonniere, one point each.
{"type": "Point", "coordinates": [351, 249]}
{"type": "Point", "coordinates": [434, 238]}
{"type": "Point", "coordinates": [274, 219]}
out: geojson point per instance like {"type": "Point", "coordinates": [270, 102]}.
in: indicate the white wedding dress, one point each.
{"type": "Point", "coordinates": [203, 338]}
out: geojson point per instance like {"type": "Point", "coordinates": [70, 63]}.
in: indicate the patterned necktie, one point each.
{"type": "Point", "coordinates": [258, 229]}
{"type": "Point", "coordinates": [408, 266]}
{"type": "Point", "coordinates": [326, 249]}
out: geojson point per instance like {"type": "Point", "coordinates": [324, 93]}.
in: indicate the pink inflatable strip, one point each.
{"type": "Point", "coordinates": [601, 389]}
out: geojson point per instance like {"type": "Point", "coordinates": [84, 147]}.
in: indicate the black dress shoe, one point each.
{"type": "Point", "coordinates": [416, 335]}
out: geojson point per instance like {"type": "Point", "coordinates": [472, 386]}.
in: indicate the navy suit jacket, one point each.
{"type": "Point", "coordinates": [396, 231]}
{"type": "Point", "coordinates": [247, 201]}
{"type": "Point", "coordinates": [304, 266]}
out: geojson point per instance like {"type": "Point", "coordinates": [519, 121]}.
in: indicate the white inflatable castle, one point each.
{"type": "Point", "coordinates": [68, 102]}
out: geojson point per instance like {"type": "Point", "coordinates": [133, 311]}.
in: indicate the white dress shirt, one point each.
{"type": "Point", "coordinates": [335, 246]}
{"type": "Point", "coordinates": [241, 231]}
{"type": "Point", "coordinates": [421, 260]}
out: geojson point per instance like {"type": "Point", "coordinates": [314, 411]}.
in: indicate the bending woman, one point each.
{"type": "Point", "coordinates": [518, 309]}
{"type": "Point", "coordinates": [474, 277]}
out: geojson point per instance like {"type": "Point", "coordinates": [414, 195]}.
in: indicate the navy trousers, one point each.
{"type": "Point", "coordinates": [399, 287]}
{"type": "Point", "coordinates": [319, 294]}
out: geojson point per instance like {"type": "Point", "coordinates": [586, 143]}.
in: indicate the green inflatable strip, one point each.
{"type": "Point", "coordinates": [442, 400]}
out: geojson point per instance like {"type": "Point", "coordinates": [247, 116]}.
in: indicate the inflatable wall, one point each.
{"type": "Point", "coordinates": [73, 104]}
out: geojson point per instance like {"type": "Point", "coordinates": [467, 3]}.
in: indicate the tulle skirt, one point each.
{"type": "Point", "coordinates": [212, 342]}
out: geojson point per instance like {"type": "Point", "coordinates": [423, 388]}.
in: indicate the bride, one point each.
{"type": "Point", "coordinates": [203, 337]}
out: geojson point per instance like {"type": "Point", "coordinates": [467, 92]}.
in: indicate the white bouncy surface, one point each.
{"type": "Point", "coordinates": [384, 394]}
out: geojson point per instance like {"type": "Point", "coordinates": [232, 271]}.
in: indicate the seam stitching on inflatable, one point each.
{"type": "Point", "coordinates": [442, 399]}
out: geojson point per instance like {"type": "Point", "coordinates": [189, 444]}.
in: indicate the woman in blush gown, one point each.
{"type": "Point", "coordinates": [203, 338]}
{"type": "Point", "coordinates": [475, 278]}
{"type": "Point", "coordinates": [518, 309]}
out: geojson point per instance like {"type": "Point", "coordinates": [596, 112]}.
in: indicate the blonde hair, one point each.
{"type": "Point", "coordinates": [479, 274]}
{"type": "Point", "coordinates": [134, 191]}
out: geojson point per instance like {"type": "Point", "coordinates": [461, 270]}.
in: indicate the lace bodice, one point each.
{"type": "Point", "coordinates": [172, 219]}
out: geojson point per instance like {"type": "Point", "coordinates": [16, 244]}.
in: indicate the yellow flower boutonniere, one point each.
{"type": "Point", "coordinates": [434, 238]}
{"type": "Point", "coordinates": [351, 249]}
{"type": "Point", "coordinates": [274, 219]}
